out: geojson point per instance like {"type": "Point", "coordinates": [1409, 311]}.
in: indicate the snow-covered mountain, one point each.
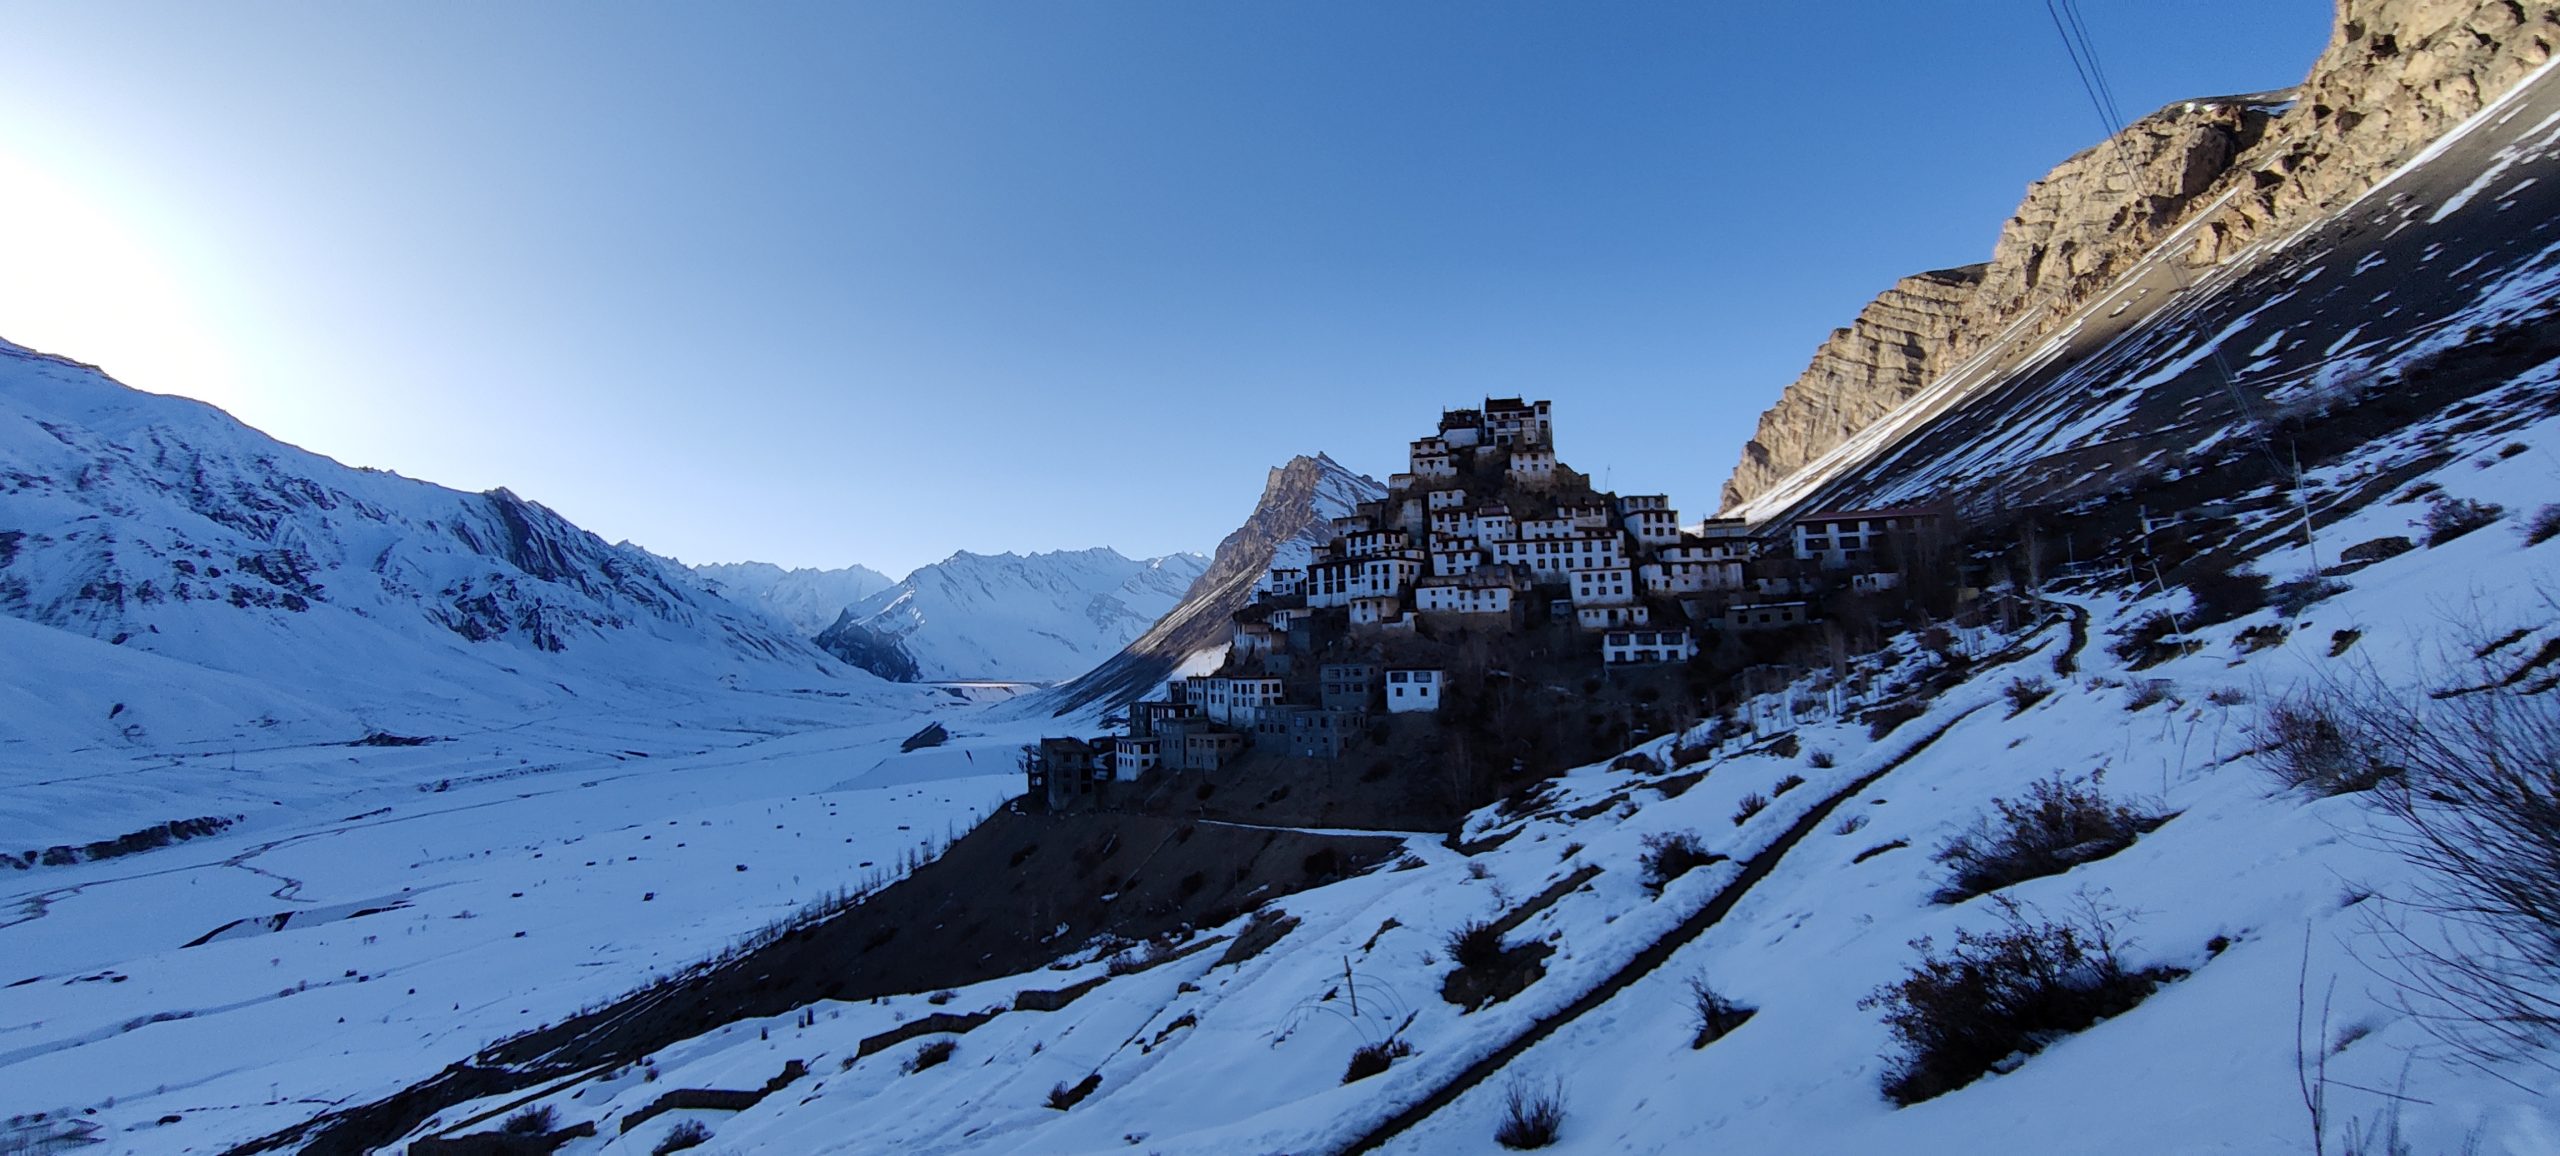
{"type": "Point", "coordinates": [1299, 502]}
{"type": "Point", "coordinates": [279, 587]}
{"type": "Point", "coordinates": [809, 599]}
{"type": "Point", "coordinates": [1014, 617]}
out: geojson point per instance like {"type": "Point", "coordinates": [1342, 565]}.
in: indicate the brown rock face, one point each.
{"type": "Point", "coordinates": [2396, 75]}
{"type": "Point", "coordinates": [1894, 347]}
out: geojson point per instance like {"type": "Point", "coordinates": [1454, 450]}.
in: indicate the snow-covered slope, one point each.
{"type": "Point", "coordinates": [809, 599]}
{"type": "Point", "coordinates": [319, 597]}
{"type": "Point", "coordinates": [2460, 245]}
{"type": "Point", "coordinates": [1011, 617]}
{"type": "Point", "coordinates": [2263, 897]}
{"type": "Point", "coordinates": [1299, 502]}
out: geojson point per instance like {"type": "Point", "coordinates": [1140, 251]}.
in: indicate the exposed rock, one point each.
{"type": "Point", "coordinates": [1896, 345]}
{"type": "Point", "coordinates": [2396, 75]}
{"type": "Point", "coordinates": [1298, 504]}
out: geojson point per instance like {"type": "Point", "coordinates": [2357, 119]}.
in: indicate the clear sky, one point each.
{"type": "Point", "coordinates": [872, 282]}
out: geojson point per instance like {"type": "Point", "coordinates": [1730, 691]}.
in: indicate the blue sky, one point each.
{"type": "Point", "coordinates": [832, 283]}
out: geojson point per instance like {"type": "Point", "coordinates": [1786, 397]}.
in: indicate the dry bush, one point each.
{"type": "Point", "coordinates": [929, 1055]}
{"type": "Point", "coordinates": [2450, 518]}
{"type": "Point", "coordinates": [1752, 804]}
{"type": "Point", "coordinates": [2025, 692]}
{"type": "Point", "coordinates": [1882, 720]}
{"type": "Point", "coordinates": [686, 1134]}
{"type": "Point", "coordinates": [2005, 992]}
{"type": "Point", "coordinates": [1370, 1059]}
{"type": "Point", "coordinates": [2060, 823]}
{"type": "Point", "coordinates": [1476, 944]}
{"type": "Point", "coordinates": [2544, 527]}
{"type": "Point", "coordinates": [531, 1122]}
{"type": "Point", "coordinates": [1672, 854]}
{"type": "Point", "coordinates": [2318, 739]}
{"type": "Point", "coordinates": [2478, 812]}
{"type": "Point", "coordinates": [2295, 595]}
{"type": "Point", "coordinates": [1532, 1114]}
{"type": "Point", "coordinates": [1712, 1014]}
{"type": "Point", "coordinates": [1821, 760]}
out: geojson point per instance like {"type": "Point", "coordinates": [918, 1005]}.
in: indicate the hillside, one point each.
{"type": "Point", "coordinates": [1296, 511]}
{"type": "Point", "coordinates": [162, 527]}
{"type": "Point", "coordinates": [1009, 617]}
{"type": "Point", "coordinates": [2199, 186]}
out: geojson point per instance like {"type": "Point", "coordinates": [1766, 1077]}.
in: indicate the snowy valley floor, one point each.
{"type": "Point", "coordinates": [432, 898]}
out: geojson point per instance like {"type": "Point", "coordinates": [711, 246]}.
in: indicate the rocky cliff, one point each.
{"type": "Point", "coordinates": [1299, 502]}
{"type": "Point", "coordinates": [2395, 76]}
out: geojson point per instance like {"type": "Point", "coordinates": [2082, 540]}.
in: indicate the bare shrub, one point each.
{"type": "Point", "coordinates": [930, 1055]}
{"type": "Point", "coordinates": [1850, 825]}
{"type": "Point", "coordinates": [2294, 595]}
{"type": "Point", "coordinates": [2317, 739]}
{"type": "Point", "coordinates": [2060, 823]}
{"type": "Point", "coordinates": [2146, 692]}
{"type": "Point", "coordinates": [2449, 518]}
{"type": "Point", "coordinates": [686, 1134]}
{"type": "Point", "coordinates": [1787, 746]}
{"type": "Point", "coordinates": [2005, 992]}
{"type": "Point", "coordinates": [1672, 854]}
{"type": "Point", "coordinates": [2221, 595]}
{"type": "Point", "coordinates": [1063, 1096]}
{"type": "Point", "coordinates": [1370, 1059]}
{"type": "Point", "coordinates": [2145, 642]}
{"type": "Point", "coordinates": [1476, 944]}
{"type": "Point", "coordinates": [1532, 1114]}
{"type": "Point", "coordinates": [1787, 784]}
{"type": "Point", "coordinates": [1752, 804]}
{"type": "Point", "coordinates": [2544, 527]}
{"type": "Point", "coordinates": [1712, 1014]}
{"type": "Point", "coordinates": [1821, 760]}
{"type": "Point", "coordinates": [2478, 812]}
{"type": "Point", "coordinates": [2025, 692]}
{"type": "Point", "coordinates": [531, 1122]}
{"type": "Point", "coordinates": [1883, 719]}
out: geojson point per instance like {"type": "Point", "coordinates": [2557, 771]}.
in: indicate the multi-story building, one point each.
{"type": "Point", "coordinates": [1413, 689]}
{"type": "Point", "coordinates": [1620, 647]}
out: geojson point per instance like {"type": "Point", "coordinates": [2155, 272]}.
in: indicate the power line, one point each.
{"type": "Point", "coordinates": [2083, 51]}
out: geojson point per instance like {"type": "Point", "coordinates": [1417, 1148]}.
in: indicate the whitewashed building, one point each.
{"type": "Point", "coordinates": [1329, 583]}
{"type": "Point", "coordinates": [1410, 690]}
{"type": "Point", "coordinates": [1846, 538]}
{"type": "Point", "coordinates": [1448, 500]}
{"type": "Point", "coordinates": [1620, 647]}
{"type": "Point", "coordinates": [1375, 609]}
{"type": "Point", "coordinates": [1533, 468]}
{"type": "Point", "coordinates": [1603, 586]}
{"type": "Point", "coordinates": [1134, 755]}
{"type": "Point", "coordinates": [1611, 617]}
